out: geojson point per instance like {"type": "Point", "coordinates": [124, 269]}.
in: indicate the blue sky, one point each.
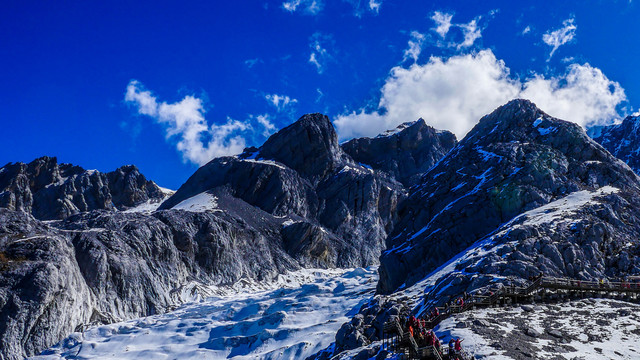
{"type": "Point", "coordinates": [168, 85]}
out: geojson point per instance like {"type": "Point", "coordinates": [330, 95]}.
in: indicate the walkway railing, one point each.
{"type": "Point", "coordinates": [393, 330]}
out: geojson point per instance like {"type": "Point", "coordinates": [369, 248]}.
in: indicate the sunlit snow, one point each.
{"type": "Point", "coordinates": [297, 319]}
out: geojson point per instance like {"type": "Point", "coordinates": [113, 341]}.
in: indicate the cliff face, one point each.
{"type": "Point", "coordinates": [623, 141]}
{"type": "Point", "coordinates": [104, 255]}
{"type": "Point", "coordinates": [406, 152]}
{"type": "Point", "coordinates": [49, 190]}
{"type": "Point", "coordinates": [301, 173]}
{"type": "Point", "coordinates": [522, 193]}
{"type": "Point", "coordinates": [516, 159]}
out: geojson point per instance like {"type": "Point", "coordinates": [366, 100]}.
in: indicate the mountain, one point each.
{"type": "Point", "coordinates": [49, 190]}
{"type": "Point", "coordinates": [522, 193]}
{"type": "Point", "coordinates": [406, 152]}
{"type": "Point", "coordinates": [303, 176]}
{"type": "Point", "coordinates": [514, 160]}
{"type": "Point", "coordinates": [623, 141]}
{"type": "Point", "coordinates": [106, 253]}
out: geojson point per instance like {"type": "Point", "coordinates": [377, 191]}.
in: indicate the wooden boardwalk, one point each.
{"type": "Point", "coordinates": [398, 340]}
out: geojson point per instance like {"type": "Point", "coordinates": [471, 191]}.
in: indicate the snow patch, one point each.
{"type": "Point", "coordinates": [199, 203]}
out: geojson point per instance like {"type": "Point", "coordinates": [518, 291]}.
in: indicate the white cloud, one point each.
{"type": "Point", "coordinates": [443, 22]}
{"type": "Point", "coordinates": [470, 31]}
{"type": "Point", "coordinates": [185, 122]}
{"type": "Point", "coordinates": [314, 61]}
{"type": "Point", "coordinates": [309, 7]}
{"type": "Point", "coordinates": [453, 94]}
{"type": "Point", "coordinates": [375, 5]}
{"type": "Point", "coordinates": [415, 46]}
{"type": "Point", "coordinates": [319, 54]}
{"type": "Point", "coordinates": [265, 121]}
{"type": "Point", "coordinates": [559, 37]}
{"type": "Point", "coordinates": [526, 30]}
{"type": "Point", "coordinates": [362, 6]}
{"type": "Point", "coordinates": [583, 95]}
{"type": "Point", "coordinates": [280, 101]}
{"type": "Point", "coordinates": [252, 62]}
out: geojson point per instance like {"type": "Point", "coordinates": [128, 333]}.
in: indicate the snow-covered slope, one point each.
{"type": "Point", "coordinates": [295, 319]}
{"type": "Point", "coordinates": [201, 202]}
{"type": "Point", "coordinates": [580, 330]}
{"type": "Point", "coordinates": [152, 205]}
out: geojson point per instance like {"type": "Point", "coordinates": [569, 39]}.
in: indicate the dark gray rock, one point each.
{"type": "Point", "coordinates": [309, 146]}
{"type": "Point", "coordinates": [102, 266]}
{"type": "Point", "coordinates": [301, 173]}
{"type": "Point", "coordinates": [532, 332]}
{"type": "Point", "coordinates": [406, 153]}
{"type": "Point", "coordinates": [49, 190]}
{"type": "Point", "coordinates": [515, 159]}
{"type": "Point", "coordinates": [527, 308]}
{"type": "Point", "coordinates": [622, 140]}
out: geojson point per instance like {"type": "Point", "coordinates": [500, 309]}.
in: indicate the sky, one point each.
{"type": "Point", "coordinates": [168, 86]}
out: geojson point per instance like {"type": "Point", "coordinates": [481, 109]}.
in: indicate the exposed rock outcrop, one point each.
{"type": "Point", "coordinates": [406, 152]}
{"type": "Point", "coordinates": [302, 173]}
{"type": "Point", "coordinates": [516, 159]}
{"type": "Point", "coordinates": [49, 190]}
{"type": "Point", "coordinates": [623, 141]}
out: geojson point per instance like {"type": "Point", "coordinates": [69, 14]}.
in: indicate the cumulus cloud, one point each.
{"type": "Point", "coordinates": [559, 37]}
{"type": "Point", "coordinates": [443, 22]}
{"type": "Point", "coordinates": [526, 30]}
{"type": "Point", "coordinates": [309, 7]}
{"type": "Point", "coordinates": [185, 123]}
{"type": "Point", "coordinates": [415, 46]}
{"type": "Point", "coordinates": [583, 95]}
{"type": "Point", "coordinates": [319, 53]}
{"type": "Point", "coordinates": [453, 94]}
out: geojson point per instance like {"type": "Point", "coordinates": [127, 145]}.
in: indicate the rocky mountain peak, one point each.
{"type": "Point", "coordinates": [520, 120]}
{"type": "Point", "coordinates": [309, 146]}
{"type": "Point", "coordinates": [515, 159]}
{"type": "Point", "coordinates": [405, 152]}
{"type": "Point", "coordinates": [51, 190]}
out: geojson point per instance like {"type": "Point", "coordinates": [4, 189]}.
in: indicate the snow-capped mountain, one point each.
{"type": "Point", "coordinates": [514, 160]}
{"type": "Point", "coordinates": [49, 190]}
{"type": "Point", "coordinates": [109, 251]}
{"type": "Point", "coordinates": [523, 192]}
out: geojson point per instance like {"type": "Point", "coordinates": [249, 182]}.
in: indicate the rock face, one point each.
{"type": "Point", "coordinates": [49, 190]}
{"type": "Point", "coordinates": [297, 201]}
{"type": "Point", "coordinates": [623, 141]}
{"type": "Point", "coordinates": [516, 159]}
{"type": "Point", "coordinates": [406, 152]}
{"type": "Point", "coordinates": [102, 266]}
{"type": "Point", "coordinates": [302, 173]}
{"type": "Point", "coordinates": [523, 193]}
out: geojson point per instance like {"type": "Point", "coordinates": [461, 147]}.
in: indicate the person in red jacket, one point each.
{"type": "Point", "coordinates": [458, 345]}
